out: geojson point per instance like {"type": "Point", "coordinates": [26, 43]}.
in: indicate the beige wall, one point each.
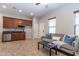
{"type": "Point", "coordinates": [35, 28]}
{"type": "Point", "coordinates": [1, 25]}
{"type": "Point", "coordinates": [65, 19]}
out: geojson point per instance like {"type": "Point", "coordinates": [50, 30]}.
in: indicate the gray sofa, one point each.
{"type": "Point", "coordinates": [67, 48]}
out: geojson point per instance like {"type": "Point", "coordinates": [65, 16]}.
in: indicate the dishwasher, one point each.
{"type": "Point", "coordinates": [6, 36]}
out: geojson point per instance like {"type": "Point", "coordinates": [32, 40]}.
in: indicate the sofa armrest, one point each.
{"type": "Point", "coordinates": [73, 43]}
{"type": "Point", "coordinates": [68, 47]}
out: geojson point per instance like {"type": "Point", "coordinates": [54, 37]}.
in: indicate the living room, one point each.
{"type": "Point", "coordinates": [31, 22]}
{"type": "Point", "coordinates": [64, 21]}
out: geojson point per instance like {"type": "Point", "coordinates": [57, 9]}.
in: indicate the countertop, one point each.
{"type": "Point", "coordinates": [11, 31]}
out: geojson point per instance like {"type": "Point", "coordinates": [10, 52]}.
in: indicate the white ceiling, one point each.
{"type": "Point", "coordinates": [27, 8]}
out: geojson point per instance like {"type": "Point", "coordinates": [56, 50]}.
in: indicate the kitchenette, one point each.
{"type": "Point", "coordinates": [14, 29]}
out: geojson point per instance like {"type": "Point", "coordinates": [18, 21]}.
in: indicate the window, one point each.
{"type": "Point", "coordinates": [52, 25]}
{"type": "Point", "coordinates": [76, 27]}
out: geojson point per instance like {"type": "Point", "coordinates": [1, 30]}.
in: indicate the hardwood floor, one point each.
{"type": "Point", "coordinates": [23, 48]}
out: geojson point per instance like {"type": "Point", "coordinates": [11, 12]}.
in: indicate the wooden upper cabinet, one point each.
{"type": "Point", "coordinates": [5, 22]}
{"type": "Point", "coordinates": [20, 22]}
{"type": "Point", "coordinates": [28, 22]}
{"type": "Point", "coordinates": [9, 22]}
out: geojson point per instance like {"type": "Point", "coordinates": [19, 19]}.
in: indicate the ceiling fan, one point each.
{"type": "Point", "coordinates": [37, 3]}
{"type": "Point", "coordinates": [45, 4]}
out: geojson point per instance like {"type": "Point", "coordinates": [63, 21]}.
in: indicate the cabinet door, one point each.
{"type": "Point", "coordinates": [5, 22]}
{"type": "Point", "coordinates": [11, 23]}
{"type": "Point", "coordinates": [28, 22]}
{"type": "Point", "coordinates": [19, 22]}
{"type": "Point", "coordinates": [18, 36]}
{"type": "Point", "coordinates": [8, 22]}
{"type": "Point", "coordinates": [16, 23]}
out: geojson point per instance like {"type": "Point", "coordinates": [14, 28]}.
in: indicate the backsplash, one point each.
{"type": "Point", "coordinates": [12, 29]}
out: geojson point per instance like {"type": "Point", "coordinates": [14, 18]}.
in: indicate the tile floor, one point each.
{"type": "Point", "coordinates": [22, 48]}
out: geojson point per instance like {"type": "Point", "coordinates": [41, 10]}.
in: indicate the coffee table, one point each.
{"type": "Point", "coordinates": [48, 45]}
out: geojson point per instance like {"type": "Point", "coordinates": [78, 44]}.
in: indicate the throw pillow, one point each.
{"type": "Point", "coordinates": [69, 40]}
{"type": "Point", "coordinates": [55, 38]}
{"type": "Point", "coordinates": [48, 36]}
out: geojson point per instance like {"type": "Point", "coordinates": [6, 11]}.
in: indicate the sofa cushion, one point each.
{"type": "Point", "coordinates": [68, 47]}
{"type": "Point", "coordinates": [68, 39]}
{"type": "Point", "coordinates": [67, 51]}
{"type": "Point", "coordinates": [59, 35]}
{"type": "Point", "coordinates": [49, 36]}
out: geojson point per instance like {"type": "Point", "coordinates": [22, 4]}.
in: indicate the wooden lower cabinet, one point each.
{"type": "Point", "coordinates": [18, 36]}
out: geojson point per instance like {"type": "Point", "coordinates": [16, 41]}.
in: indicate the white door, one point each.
{"type": "Point", "coordinates": [41, 29]}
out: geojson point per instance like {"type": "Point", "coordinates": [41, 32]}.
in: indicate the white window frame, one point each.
{"type": "Point", "coordinates": [54, 26]}
{"type": "Point", "coordinates": [76, 25]}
